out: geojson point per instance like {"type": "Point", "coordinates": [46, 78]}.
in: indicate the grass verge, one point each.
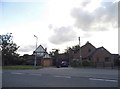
{"type": "Point", "coordinates": [21, 67]}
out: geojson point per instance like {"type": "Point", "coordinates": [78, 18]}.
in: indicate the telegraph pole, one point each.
{"type": "Point", "coordinates": [80, 51]}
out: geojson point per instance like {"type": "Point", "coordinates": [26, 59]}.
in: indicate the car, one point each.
{"type": "Point", "coordinates": [64, 64]}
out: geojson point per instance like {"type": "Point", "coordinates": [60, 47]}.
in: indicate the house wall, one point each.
{"type": "Point", "coordinates": [87, 50]}
{"type": "Point", "coordinates": [46, 62]}
{"type": "Point", "coordinates": [102, 58]}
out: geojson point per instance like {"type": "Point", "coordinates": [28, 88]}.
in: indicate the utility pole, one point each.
{"type": "Point", "coordinates": [80, 51]}
{"type": "Point", "coordinates": [35, 51]}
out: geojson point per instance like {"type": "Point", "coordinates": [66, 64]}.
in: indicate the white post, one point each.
{"type": "Point", "coordinates": [35, 52]}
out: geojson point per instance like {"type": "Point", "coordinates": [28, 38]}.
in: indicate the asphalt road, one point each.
{"type": "Point", "coordinates": [60, 77]}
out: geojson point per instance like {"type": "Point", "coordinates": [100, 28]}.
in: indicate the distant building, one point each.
{"type": "Point", "coordinates": [102, 57]}
{"type": "Point", "coordinates": [42, 57]}
{"type": "Point", "coordinates": [86, 51]}
{"type": "Point", "coordinates": [98, 56]}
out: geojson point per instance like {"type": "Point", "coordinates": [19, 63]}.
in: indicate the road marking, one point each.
{"type": "Point", "coordinates": [16, 73]}
{"type": "Point", "coordinates": [63, 76]}
{"type": "Point", "coordinates": [108, 80]}
{"type": "Point", "coordinates": [112, 80]}
{"type": "Point", "coordinates": [36, 74]}
{"type": "Point", "coordinates": [96, 79]}
{"type": "Point", "coordinates": [67, 76]}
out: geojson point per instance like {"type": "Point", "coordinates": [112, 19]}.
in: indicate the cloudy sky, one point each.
{"type": "Point", "coordinates": [59, 23]}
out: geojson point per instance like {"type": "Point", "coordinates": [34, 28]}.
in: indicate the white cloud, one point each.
{"type": "Point", "coordinates": [99, 20]}
{"type": "Point", "coordinates": [62, 35]}
{"type": "Point", "coordinates": [62, 21]}
{"type": "Point", "coordinates": [27, 48]}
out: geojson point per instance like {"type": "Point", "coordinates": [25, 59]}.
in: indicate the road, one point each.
{"type": "Point", "coordinates": [61, 77]}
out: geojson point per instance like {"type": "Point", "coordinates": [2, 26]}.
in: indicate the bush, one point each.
{"type": "Point", "coordinates": [76, 63]}
{"type": "Point", "coordinates": [86, 63]}
{"type": "Point", "coordinates": [73, 63]}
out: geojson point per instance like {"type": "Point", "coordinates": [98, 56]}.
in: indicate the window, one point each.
{"type": "Point", "coordinates": [107, 59]}
{"type": "Point", "coordinates": [97, 59]}
{"type": "Point", "coordinates": [40, 54]}
{"type": "Point", "coordinates": [89, 50]}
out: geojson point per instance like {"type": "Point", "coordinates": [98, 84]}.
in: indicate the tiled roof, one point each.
{"type": "Point", "coordinates": [100, 48]}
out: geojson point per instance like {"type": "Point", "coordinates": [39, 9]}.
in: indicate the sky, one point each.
{"type": "Point", "coordinates": [58, 23]}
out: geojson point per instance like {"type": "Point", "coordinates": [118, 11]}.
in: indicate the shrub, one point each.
{"type": "Point", "coordinates": [86, 63]}
{"type": "Point", "coordinates": [76, 63]}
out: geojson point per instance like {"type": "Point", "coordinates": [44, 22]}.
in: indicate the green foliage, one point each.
{"type": "Point", "coordinates": [74, 49]}
{"type": "Point", "coordinates": [76, 63]}
{"type": "Point", "coordinates": [21, 67]}
{"type": "Point", "coordinates": [9, 49]}
{"type": "Point", "coordinates": [55, 54]}
{"type": "Point", "coordinates": [86, 63]}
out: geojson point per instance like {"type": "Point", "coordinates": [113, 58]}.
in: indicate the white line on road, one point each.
{"type": "Point", "coordinates": [16, 73]}
{"type": "Point", "coordinates": [112, 80]}
{"type": "Point", "coordinates": [98, 79]}
{"type": "Point", "coordinates": [36, 74]}
{"type": "Point", "coordinates": [63, 76]}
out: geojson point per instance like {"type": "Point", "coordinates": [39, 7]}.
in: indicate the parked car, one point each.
{"type": "Point", "coordinates": [64, 64]}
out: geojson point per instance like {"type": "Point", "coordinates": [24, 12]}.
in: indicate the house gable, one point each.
{"type": "Point", "coordinates": [47, 56]}
{"type": "Point", "coordinates": [40, 51]}
{"type": "Point", "coordinates": [87, 50]}
{"type": "Point", "coordinates": [101, 55]}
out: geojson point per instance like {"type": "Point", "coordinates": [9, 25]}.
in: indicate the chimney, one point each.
{"type": "Point", "coordinates": [45, 49]}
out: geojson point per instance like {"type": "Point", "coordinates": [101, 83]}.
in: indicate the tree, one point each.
{"type": "Point", "coordinates": [76, 48]}
{"type": "Point", "coordinates": [9, 55]}
{"type": "Point", "coordinates": [70, 52]}
{"type": "Point", "coordinates": [55, 55]}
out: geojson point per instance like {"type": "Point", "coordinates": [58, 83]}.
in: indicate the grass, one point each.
{"type": "Point", "coordinates": [21, 67]}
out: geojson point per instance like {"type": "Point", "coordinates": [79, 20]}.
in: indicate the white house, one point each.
{"type": "Point", "coordinates": [42, 56]}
